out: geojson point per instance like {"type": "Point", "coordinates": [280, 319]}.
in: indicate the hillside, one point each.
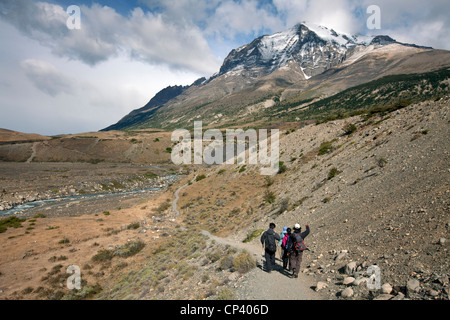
{"type": "Point", "coordinates": [379, 193]}
{"type": "Point", "coordinates": [375, 193]}
{"type": "Point", "coordinates": [148, 146]}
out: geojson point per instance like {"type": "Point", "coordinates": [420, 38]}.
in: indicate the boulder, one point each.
{"type": "Point", "coordinates": [350, 268]}
{"type": "Point", "coordinates": [386, 288]}
{"type": "Point", "coordinates": [348, 281]}
{"type": "Point", "coordinates": [359, 281]}
{"type": "Point", "coordinates": [321, 285]}
{"type": "Point", "coordinates": [412, 286]}
{"type": "Point", "coordinates": [341, 255]}
{"type": "Point", "coordinates": [347, 293]}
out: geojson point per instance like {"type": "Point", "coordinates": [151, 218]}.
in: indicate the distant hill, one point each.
{"type": "Point", "coordinates": [9, 136]}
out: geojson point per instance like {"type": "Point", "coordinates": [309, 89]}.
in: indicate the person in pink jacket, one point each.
{"type": "Point", "coordinates": [284, 243]}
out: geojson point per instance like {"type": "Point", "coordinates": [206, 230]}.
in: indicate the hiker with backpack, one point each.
{"type": "Point", "coordinates": [284, 248]}
{"type": "Point", "coordinates": [296, 247]}
{"type": "Point", "coordinates": [280, 243]}
{"type": "Point", "coordinates": [268, 241]}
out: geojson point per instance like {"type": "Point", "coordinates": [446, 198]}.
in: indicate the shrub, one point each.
{"type": "Point", "coordinates": [333, 173]}
{"type": "Point", "coordinates": [269, 181]}
{"type": "Point", "coordinates": [226, 262]}
{"type": "Point", "coordinates": [103, 256]}
{"type": "Point", "coordinates": [86, 292]}
{"type": "Point", "coordinates": [11, 222]}
{"type": "Point", "coordinates": [124, 251]}
{"type": "Point", "coordinates": [226, 294]}
{"type": "Point", "coordinates": [64, 241]}
{"type": "Point", "coordinates": [162, 207]}
{"type": "Point", "coordinates": [129, 249]}
{"type": "Point", "coordinates": [381, 162]}
{"type": "Point", "coordinates": [253, 235]}
{"type": "Point", "coordinates": [200, 177]}
{"type": "Point", "coordinates": [244, 262]}
{"type": "Point", "coordinates": [349, 129]}
{"type": "Point", "coordinates": [325, 148]}
{"type": "Point", "coordinates": [133, 225]}
{"type": "Point", "coordinates": [269, 196]}
{"type": "Point", "coordinates": [281, 167]}
{"type": "Point", "coordinates": [284, 205]}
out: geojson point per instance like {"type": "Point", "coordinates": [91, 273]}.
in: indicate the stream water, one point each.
{"type": "Point", "coordinates": [22, 208]}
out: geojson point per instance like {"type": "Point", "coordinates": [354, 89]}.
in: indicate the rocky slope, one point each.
{"type": "Point", "coordinates": [378, 195]}
{"type": "Point", "coordinates": [374, 189]}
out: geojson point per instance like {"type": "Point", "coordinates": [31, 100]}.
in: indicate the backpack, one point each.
{"type": "Point", "coordinates": [298, 245]}
{"type": "Point", "coordinates": [285, 242]}
{"type": "Point", "coordinates": [270, 242]}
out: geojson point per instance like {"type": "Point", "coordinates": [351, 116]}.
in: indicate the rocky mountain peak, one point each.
{"type": "Point", "coordinates": [314, 48]}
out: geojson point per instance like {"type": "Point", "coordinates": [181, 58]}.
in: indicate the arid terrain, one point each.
{"type": "Point", "coordinates": [374, 188]}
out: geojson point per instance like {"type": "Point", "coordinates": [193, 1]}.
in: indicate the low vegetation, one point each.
{"type": "Point", "coordinates": [123, 251]}
{"type": "Point", "coordinates": [186, 259]}
{"type": "Point", "coordinates": [11, 222]}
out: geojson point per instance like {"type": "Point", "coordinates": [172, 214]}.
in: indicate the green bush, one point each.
{"type": "Point", "coordinates": [325, 147]}
{"type": "Point", "coordinates": [124, 251]}
{"type": "Point", "coordinates": [333, 173]}
{"type": "Point", "coordinates": [11, 222]}
{"type": "Point", "coordinates": [253, 235]}
{"type": "Point", "coordinates": [200, 177]}
{"type": "Point", "coordinates": [281, 167]}
{"type": "Point", "coordinates": [269, 196]}
{"type": "Point", "coordinates": [349, 129]}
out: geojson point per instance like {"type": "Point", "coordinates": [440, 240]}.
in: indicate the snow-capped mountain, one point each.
{"type": "Point", "coordinates": [274, 68]}
{"type": "Point", "coordinates": [314, 48]}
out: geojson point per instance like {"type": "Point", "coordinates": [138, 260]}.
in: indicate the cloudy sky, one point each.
{"type": "Point", "coordinates": [54, 79]}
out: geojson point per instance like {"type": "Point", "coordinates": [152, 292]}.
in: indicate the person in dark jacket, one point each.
{"type": "Point", "coordinates": [268, 241]}
{"type": "Point", "coordinates": [295, 256]}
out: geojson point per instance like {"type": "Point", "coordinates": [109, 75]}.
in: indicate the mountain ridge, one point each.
{"type": "Point", "coordinates": [271, 64]}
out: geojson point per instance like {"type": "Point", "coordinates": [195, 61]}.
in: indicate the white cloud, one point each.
{"type": "Point", "coordinates": [47, 78]}
{"type": "Point", "coordinates": [105, 34]}
{"type": "Point", "coordinates": [155, 41]}
{"type": "Point", "coordinates": [47, 94]}
{"type": "Point", "coordinates": [246, 17]}
{"type": "Point", "coordinates": [415, 21]}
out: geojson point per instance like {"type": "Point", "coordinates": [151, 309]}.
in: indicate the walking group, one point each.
{"type": "Point", "coordinates": [292, 247]}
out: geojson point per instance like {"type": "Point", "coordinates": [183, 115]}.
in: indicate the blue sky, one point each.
{"type": "Point", "coordinates": [54, 80]}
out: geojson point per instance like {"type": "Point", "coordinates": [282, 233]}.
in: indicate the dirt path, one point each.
{"type": "Point", "coordinates": [34, 151]}
{"type": "Point", "coordinates": [278, 285]}
{"type": "Point", "coordinates": [258, 284]}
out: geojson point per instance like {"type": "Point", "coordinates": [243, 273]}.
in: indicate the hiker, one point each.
{"type": "Point", "coordinates": [296, 248]}
{"type": "Point", "coordinates": [285, 249]}
{"type": "Point", "coordinates": [283, 233]}
{"type": "Point", "coordinates": [268, 241]}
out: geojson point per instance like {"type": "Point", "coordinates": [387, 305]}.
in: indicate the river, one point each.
{"type": "Point", "coordinates": [28, 206]}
